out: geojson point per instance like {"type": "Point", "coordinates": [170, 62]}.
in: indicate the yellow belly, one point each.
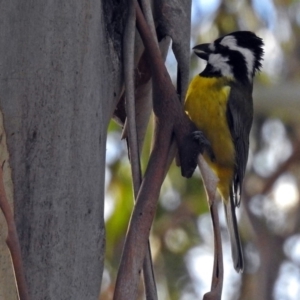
{"type": "Point", "coordinates": [205, 104]}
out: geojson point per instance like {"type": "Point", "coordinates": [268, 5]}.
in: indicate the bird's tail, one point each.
{"type": "Point", "coordinates": [236, 248]}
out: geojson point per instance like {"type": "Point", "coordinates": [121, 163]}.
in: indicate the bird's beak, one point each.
{"type": "Point", "coordinates": [202, 51]}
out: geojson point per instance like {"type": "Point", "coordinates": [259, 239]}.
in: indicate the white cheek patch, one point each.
{"type": "Point", "coordinates": [230, 42]}
{"type": "Point", "coordinates": [220, 63]}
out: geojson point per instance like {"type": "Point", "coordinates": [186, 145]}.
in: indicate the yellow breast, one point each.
{"type": "Point", "coordinates": [205, 104]}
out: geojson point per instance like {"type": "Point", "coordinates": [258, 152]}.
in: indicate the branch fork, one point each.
{"type": "Point", "coordinates": [172, 124]}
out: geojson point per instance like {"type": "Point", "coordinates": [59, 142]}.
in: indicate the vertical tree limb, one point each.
{"type": "Point", "coordinates": [134, 153]}
{"type": "Point", "coordinates": [149, 17]}
{"type": "Point", "coordinates": [128, 42]}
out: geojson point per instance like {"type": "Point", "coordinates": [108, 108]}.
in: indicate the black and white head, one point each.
{"type": "Point", "coordinates": [237, 55]}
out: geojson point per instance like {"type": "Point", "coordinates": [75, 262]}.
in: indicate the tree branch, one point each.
{"type": "Point", "coordinates": [170, 118]}
{"type": "Point", "coordinates": [166, 104]}
{"type": "Point", "coordinates": [12, 242]}
{"type": "Point", "coordinates": [282, 168]}
{"type": "Point", "coordinates": [134, 153]}
{"type": "Point", "coordinates": [128, 42]}
{"type": "Point", "coordinates": [266, 239]}
{"type": "Point", "coordinates": [210, 182]}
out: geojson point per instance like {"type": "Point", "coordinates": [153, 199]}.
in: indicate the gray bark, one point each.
{"type": "Point", "coordinates": [60, 79]}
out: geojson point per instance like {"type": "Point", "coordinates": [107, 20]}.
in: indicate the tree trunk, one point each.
{"type": "Point", "coordinates": [60, 81]}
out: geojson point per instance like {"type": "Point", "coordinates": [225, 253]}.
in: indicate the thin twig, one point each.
{"type": "Point", "coordinates": [218, 270]}
{"type": "Point", "coordinates": [128, 42]}
{"type": "Point", "coordinates": [12, 242]}
{"type": "Point", "coordinates": [210, 182]}
{"type": "Point", "coordinates": [129, 38]}
{"type": "Point", "coordinates": [146, 6]}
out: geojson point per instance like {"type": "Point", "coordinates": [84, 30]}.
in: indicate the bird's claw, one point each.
{"type": "Point", "coordinates": [204, 143]}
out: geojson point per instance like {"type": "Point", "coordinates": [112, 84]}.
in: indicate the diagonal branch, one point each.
{"type": "Point", "coordinates": [264, 238]}
{"type": "Point", "coordinates": [170, 119]}
{"type": "Point", "coordinates": [166, 104]}
{"type": "Point", "coordinates": [141, 220]}
{"type": "Point", "coordinates": [12, 242]}
{"type": "Point", "coordinates": [282, 168]}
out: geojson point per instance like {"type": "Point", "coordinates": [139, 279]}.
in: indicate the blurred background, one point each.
{"type": "Point", "coordinates": [269, 217]}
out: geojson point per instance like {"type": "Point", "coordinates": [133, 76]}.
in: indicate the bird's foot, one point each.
{"type": "Point", "coordinates": [204, 143]}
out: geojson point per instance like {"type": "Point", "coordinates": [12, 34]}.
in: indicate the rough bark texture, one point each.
{"type": "Point", "coordinates": [60, 79]}
{"type": "Point", "coordinates": [7, 281]}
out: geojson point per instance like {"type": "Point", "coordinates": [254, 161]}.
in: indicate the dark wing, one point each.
{"type": "Point", "coordinates": [239, 117]}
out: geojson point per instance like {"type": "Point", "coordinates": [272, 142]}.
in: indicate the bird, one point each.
{"type": "Point", "coordinates": [219, 102]}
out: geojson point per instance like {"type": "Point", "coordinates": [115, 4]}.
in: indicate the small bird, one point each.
{"type": "Point", "coordinates": [219, 102]}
